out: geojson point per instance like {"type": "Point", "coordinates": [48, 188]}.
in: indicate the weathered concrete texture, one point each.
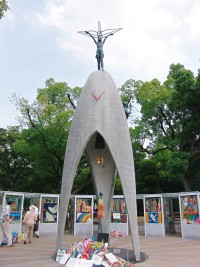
{"type": "Point", "coordinates": [100, 110]}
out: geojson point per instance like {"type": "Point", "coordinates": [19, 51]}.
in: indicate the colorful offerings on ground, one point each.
{"type": "Point", "coordinates": [116, 234]}
{"type": "Point", "coordinates": [91, 254]}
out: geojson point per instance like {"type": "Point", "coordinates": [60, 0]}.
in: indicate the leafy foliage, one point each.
{"type": "Point", "coordinates": [148, 179]}
{"type": "Point", "coordinates": [45, 127]}
{"type": "Point", "coordinates": [15, 170]}
{"type": "Point", "coordinates": [170, 125]}
{"type": "Point", "coordinates": [3, 7]}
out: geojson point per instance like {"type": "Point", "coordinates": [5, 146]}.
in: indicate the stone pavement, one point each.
{"type": "Point", "coordinates": [166, 251]}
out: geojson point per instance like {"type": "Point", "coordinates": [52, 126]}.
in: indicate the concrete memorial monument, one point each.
{"type": "Point", "coordinates": [99, 128]}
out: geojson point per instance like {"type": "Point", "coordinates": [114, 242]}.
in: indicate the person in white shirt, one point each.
{"type": "Point", "coordinates": [5, 222]}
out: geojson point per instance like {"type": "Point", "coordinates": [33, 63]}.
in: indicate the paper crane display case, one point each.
{"type": "Point", "coordinates": [189, 214]}
{"type": "Point", "coordinates": [153, 215]}
{"type": "Point", "coordinates": [119, 217]}
{"type": "Point", "coordinates": [49, 207]}
{"type": "Point", "coordinates": [16, 209]}
{"type": "Point", "coordinates": [83, 215]}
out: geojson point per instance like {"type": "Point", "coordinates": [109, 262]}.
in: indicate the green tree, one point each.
{"type": "Point", "coordinates": [128, 99]}
{"type": "Point", "coordinates": [148, 178]}
{"type": "Point", "coordinates": [171, 121]}
{"type": "Point", "coordinates": [83, 182]}
{"type": "Point", "coordinates": [3, 7]}
{"type": "Point", "coordinates": [185, 103]}
{"type": "Point", "coordinates": [15, 168]}
{"type": "Point", "coordinates": [45, 127]}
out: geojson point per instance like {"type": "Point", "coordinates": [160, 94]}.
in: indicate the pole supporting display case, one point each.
{"type": "Point", "coordinates": [119, 217]}
{"type": "Point", "coordinates": [49, 206]}
{"type": "Point", "coordinates": [83, 215]}
{"type": "Point", "coordinates": [189, 214]}
{"type": "Point", "coordinates": [153, 215]}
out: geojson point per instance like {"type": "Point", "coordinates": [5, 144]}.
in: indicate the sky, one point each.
{"type": "Point", "coordinates": [39, 40]}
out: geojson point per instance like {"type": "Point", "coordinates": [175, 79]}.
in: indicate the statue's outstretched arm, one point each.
{"type": "Point", "coordinates": [91, 36]}
{"type": "Point", "coordinates": [107, 37]}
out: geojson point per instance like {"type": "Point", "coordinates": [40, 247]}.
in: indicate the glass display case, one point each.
{"type": "Point", "coordinates": [16, 209]}
{"type": "Point", "coordinates": [49, 207]}
{"type": "Point", "coordinates": [119, 217]}
{"type": "Point", "coordinates": [83, 210]}
{"type": "Point", "coordinates": [189, 214]}
{"type": "Point", "coordinates": [189, 209]}
{"type": "Point", "coordinates": [153, 219]}
{"type": "Point", "coordinates": [83, 215]}
{"type": "Point", "coordinates": [153, 212]}
{"type": "Point", "coordinates": [118, 212]}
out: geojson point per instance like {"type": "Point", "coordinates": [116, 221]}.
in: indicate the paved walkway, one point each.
{"type": "Point", "coordinates": [167, 251]}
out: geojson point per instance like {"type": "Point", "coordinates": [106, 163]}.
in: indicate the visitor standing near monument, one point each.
{"type": "Point", "coordinates": [99, 38]}
{"type": "Point", "coordinates": [29, 220]}
{"type": "Point", "coordinates": [36, 225]}
{"type": "Point", "coordinates": [5, 222]}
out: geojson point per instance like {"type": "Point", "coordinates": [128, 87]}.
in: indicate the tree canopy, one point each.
{"type": "Point", "coordinates": [169, 129]}
{"type": "Point", "coordinates": [44, 128]}
{"type": "Point", "coordinates": [164, 120]}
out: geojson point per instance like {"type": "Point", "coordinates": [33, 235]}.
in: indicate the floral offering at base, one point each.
{"type": "Point", "coordinates": [116, 234]}
{"type": "Point", "coordinates": [90, 253]}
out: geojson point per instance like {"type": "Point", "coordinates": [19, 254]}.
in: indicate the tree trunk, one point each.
{"type": "Point", "coordinates": [186, 183]}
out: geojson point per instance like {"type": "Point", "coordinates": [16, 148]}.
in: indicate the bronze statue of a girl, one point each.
{"type": "Point", "coordinates": [99, 38]}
